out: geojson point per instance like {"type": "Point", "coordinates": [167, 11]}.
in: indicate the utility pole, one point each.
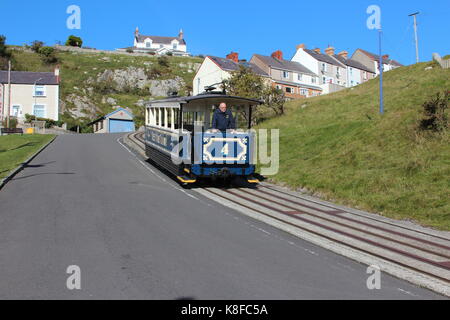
{"type": "Point", "coordinates": [9, 94]}
{"type": "Point", "coordinates": [380, 32]}
{"type": "Point", "coordinates": [415, 34]}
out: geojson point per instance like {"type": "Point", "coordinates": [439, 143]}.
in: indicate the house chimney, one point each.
{"type": "Point", "coordinates": [301, 46]}
{"type": "Point", "coordinates": [277, 55]}
{"type": "Point", "coordinates": [386, 57]}
{"type": "Point", "coordinates": [343, 54]}
{"type": "Point", "coordinates": [57, 73]}
{"type": "Point", "coordinates": [329, 51]}
{"type": "Point", "coordinates": [181, 34]}
{"type": "Point", "coordinates": [234, 56]}
{"type": "Point", "coordinates": [317, 50]}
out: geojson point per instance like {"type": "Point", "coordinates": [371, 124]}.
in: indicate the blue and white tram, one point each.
{"type": "Point", "coordinates": [179, 138]}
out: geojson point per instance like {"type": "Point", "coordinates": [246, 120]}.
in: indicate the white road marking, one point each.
{"type": "Point", "coordinates": [154, 172]}
{"type": "Point", "coordinates": [407, 292]}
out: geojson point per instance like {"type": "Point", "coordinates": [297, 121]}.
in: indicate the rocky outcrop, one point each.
{"type": "Point", "coordinates": [163, 88]}
{"type": "Point", "coordinates": [125, 78]}
{"type": "Point", "coordinates": [132, 77]}
{"type": "Point", "coordinates": [79, 106]}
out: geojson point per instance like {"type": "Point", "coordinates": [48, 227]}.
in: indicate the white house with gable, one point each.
{"type": "Point", "coordinates": [159, 45]}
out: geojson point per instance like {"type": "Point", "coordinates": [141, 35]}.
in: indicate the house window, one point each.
{"type": "Point", "coordinates": [148, 44]}
{"type": "Point", "coordinates": [352, 83]}
{"type": "Point", "coordinates": [351, 71]}
{"type": "Point", "coordinates": [324, 80]}
{"type": "Point", "coordinates": [300, 77]}
{"type": "Point", "coordinates": [313, 79]}
{"type": "Point", "coordinates": [337, 71]}
{"type": "Point", "coordinates": [285, 74]}
{"type": "Point", "coordinates": [278, 87]}
{"type": "Point", "coordinates": [175, 46]}
{"type": "Point", "coordinates": [289, 90]}
{"type": "Point", "coordinates": [15, 111]}
{"type": "Point", "coordinates": [324, 67]}
{"type": "Point", "coordinates": [39, 91]}
{"type": "Point", "coordinates": [39, 110]}
{"type": "Point", "coordinates": [304, 92]}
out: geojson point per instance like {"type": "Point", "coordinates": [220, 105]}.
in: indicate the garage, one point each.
{"type": "Point", "coordinates": [120, 120]}
{"type": "Point", "coordinates": [116, 125]}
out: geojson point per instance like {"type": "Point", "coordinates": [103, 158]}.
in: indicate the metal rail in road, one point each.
{"type": "Point", "coordinates": [408, 251]}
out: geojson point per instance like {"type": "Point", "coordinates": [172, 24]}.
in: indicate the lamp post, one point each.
{"type": "Point", "coordinates": [374, 23]}
{"type": "Point", "coordinates": [415, 34]}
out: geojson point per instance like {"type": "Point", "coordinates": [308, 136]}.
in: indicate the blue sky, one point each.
{"type": "Point", "coordinates": [245, 26]}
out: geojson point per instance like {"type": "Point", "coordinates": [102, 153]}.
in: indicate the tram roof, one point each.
{"type": "Point", "coordinates": [217, 98]}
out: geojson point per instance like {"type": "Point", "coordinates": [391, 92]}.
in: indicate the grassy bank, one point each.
{"type": "Point", "coordinates": [15, 149]}
{"type": "Point", "coordinates": [339, 147]}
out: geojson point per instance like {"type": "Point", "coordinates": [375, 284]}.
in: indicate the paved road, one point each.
{"type": "Point", "coordinates": [87, 201]}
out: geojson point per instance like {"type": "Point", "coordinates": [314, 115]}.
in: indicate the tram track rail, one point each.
{"type": "Point", "coordinates": [423, 251]}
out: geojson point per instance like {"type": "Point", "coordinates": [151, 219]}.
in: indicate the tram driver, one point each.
{"type": "Point", "coordinates": [223, 119]}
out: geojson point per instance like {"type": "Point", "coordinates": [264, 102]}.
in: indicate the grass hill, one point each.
{"type": "Point", "coordinates": [85, 82]}
{"type": "Point", "coordinates": [339, 147]}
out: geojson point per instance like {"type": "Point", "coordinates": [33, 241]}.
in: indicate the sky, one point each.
{"type": "Point", "coordinates": [245, 26]}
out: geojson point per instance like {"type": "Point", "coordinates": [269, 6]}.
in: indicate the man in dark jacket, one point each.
{"type": "Point", "coordinates": [223, 119]}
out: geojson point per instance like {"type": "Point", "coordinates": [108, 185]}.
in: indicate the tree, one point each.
{"type": "Point", "coordinates": [274, 99]}
{"type": "Point", "coordinates": [245, 83]}
{"type": "Point", "coordinates": [74, 41]}
{"type": "Point", "coordinates": [5, 55]}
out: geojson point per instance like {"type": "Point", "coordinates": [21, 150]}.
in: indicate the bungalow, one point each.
{"type": "Point", "coordinates": [34, 93]}
{"type": "Point", "coordinates": [332, 73]}
{"type": "Point", "coordinates": [214, 70]}
{"type": "Point", "coordinates": [159, 45]}
{"type": "Point", "coordinates": [371, 61]}
{"type": "Point", "coordinates": [293, 78]}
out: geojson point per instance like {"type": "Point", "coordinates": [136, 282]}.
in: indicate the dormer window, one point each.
{"type": "Point", "coordinates": [148, 43]}
{"type": "Point", "coordinates": [285, 74]}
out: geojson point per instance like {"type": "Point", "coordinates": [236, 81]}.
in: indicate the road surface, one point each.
{"type": "Point", "coordinates": [135, 234]}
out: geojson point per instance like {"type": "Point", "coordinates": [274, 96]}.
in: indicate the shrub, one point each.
{"type": "Point", "coordinates": [48, 122]}
{"type": "Point", "coordinates": [12, 123]}
{"type": "Point", "coordinates": [74, 41]}
{"type": "Point", "coordinates": [105, 87]}
{"type": "Point", "coordinates": [163, 61]}
{"type": "Point", "coordinates": [129, 50]}
{"type": "Point", "coordinates": [36, 45]}
{"type": "Point", "coordinates": [435, 113]}
{"type": "Point", "coordinates": [48, 55]}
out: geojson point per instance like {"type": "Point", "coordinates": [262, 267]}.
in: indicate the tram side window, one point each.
{"type": "Point", "coordinates": [192, 118]}
{"type": "Point", "coordinates": [169, 118]}
{"type": "Point", "coordinates": [163, 117]}
{"type": "Point", "coordinates": [157, 116]}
